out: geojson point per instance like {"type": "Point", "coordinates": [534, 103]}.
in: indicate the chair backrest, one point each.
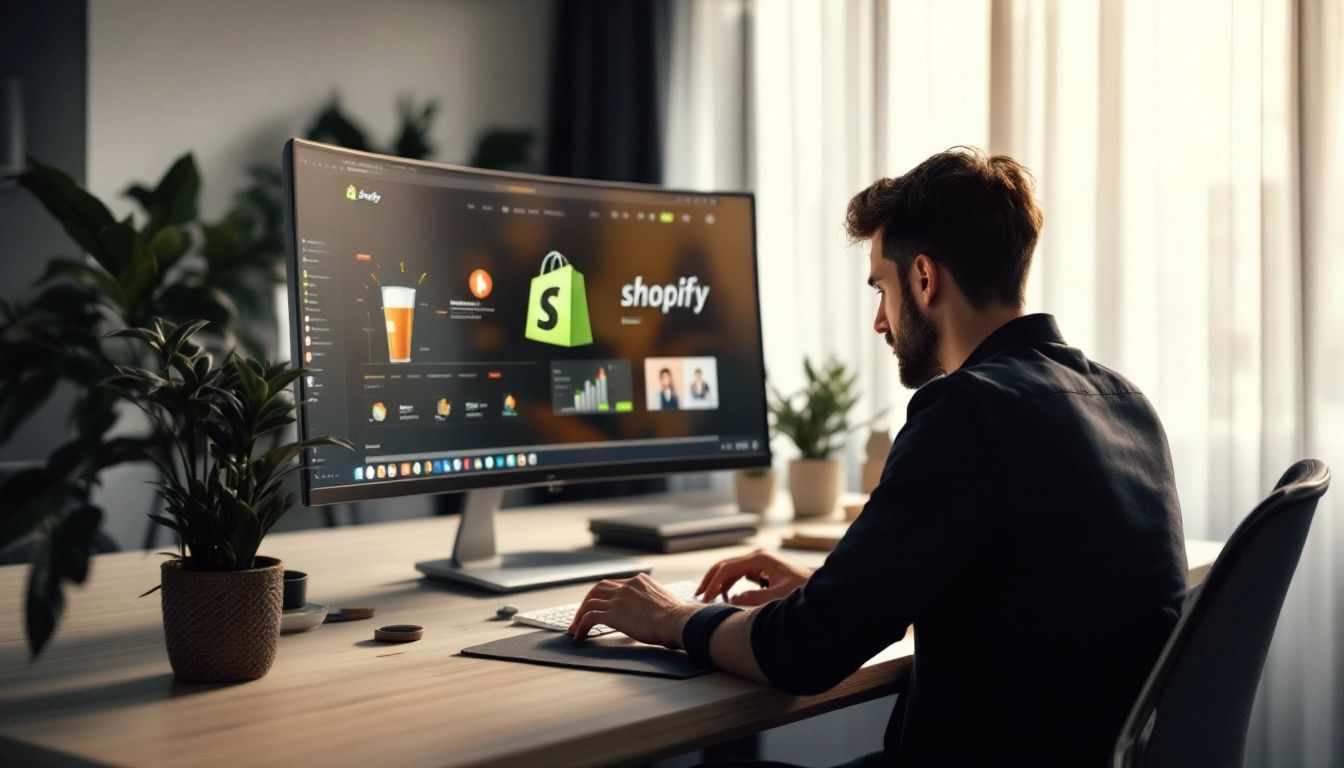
{"type": "Point", "coordinates": [1195, 707]}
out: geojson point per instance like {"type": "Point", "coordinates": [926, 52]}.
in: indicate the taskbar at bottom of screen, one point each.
{"type": "Point", "coordinates": [512, 459]}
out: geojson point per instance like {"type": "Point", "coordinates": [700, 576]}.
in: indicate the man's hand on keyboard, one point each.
{"type": "Point", "coordinates": [775, 577]}
{"type": "Point", "coordinates": [637, 606]}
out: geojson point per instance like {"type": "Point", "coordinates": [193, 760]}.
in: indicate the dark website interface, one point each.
{"type": "Point", "coordinates": [461, 323]}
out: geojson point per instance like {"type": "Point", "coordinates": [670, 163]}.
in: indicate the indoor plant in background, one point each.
{"type": "Point", "coordinates": [169, 263]}
{"type": "Point", "coordinates": [128, 271]}
{"type": "Point", "coordinates": [223, 490]}
{"type": "Point", "coordinates": [816, 419]}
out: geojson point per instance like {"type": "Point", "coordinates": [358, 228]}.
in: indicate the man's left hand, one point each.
{"type": "Point", "coordinates": [637, 606]}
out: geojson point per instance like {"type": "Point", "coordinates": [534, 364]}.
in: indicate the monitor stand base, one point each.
{"type": "Point", "coordinates": [518, 571]}
{"type": "Point", "coordinates": [477, 562]}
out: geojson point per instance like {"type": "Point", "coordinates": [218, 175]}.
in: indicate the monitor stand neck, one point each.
{"type": "Point", "coordinates": [475, 544]}
{"type": "Point", "coordinates": [478, 563]}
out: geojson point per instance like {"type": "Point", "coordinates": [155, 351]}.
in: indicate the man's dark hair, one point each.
{"type": "Point", "coordinates": [974, 214]}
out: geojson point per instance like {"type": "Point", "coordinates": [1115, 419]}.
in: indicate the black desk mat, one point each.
{"type": "Point", "coordinates": [613, 652]}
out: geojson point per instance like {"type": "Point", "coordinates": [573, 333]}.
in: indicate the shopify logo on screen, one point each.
{"type": "Point", "coordinates": [358, 194]}
{"type": "Point", "coordinates": [685, 294]}
{"type": "Point", "coordinates": [557, 304]}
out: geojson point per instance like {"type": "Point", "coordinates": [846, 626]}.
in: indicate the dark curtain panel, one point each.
{"type": "Point", "coordinates": [608, 80]}
{"type": "Point", "coordinates": [606, 88]}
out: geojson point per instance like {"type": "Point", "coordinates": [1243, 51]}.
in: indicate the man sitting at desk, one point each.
{"type": "Point", "coordinates": [1026, 523]}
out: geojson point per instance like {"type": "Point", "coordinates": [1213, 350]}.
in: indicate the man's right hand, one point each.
{"type": "Point", "coordinates": [775, 577]}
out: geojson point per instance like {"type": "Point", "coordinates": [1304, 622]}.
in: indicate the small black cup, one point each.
{"type": "Point", "coordinates": [296, 590]}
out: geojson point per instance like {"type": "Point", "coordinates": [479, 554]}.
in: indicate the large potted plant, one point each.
{"type": "Point", "coordinates": [223, 492]}
{"type": "Point", "coordinates": [816, 419]}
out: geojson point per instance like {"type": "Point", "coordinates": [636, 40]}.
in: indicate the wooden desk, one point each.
{"type": "Point", "coordinates": [103, 692]}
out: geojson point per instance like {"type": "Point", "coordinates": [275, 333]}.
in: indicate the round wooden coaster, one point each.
{"type": "Point", "coordinates": [399, 633]}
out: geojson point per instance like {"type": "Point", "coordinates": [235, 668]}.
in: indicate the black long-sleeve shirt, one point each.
{"type": "Point", "coordinates": [1027, 526]}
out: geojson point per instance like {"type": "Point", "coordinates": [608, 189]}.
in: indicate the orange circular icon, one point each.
{"type": "Point", "coordinates": [480, 283]}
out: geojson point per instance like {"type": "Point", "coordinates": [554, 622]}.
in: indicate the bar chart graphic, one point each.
{"type": "Point", "coordinates": [591, 386]}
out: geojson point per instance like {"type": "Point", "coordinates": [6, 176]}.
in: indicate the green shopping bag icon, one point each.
{"type": "Point", "coordinates": [557, 306]}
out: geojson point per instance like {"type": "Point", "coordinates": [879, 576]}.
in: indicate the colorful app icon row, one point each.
{"type": "Point", "coordinates": [444, 466]}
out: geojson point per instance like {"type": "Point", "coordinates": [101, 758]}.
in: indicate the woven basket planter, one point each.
{"type": "Point", "coordinates": [222, 626]}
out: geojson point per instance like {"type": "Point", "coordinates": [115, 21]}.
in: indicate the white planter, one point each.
{"type": "Point", "coordinates": [754, 492]}
{"type": "Point", "coordinates": [815, 486]}
{"type": "Point", "coordinates": [879, 445]}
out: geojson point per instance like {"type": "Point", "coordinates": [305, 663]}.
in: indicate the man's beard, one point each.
{"type": "Point", "coordinates": [915, 345]}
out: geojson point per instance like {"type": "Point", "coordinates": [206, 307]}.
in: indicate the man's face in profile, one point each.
{"type": "Point", "coordinates": [912, 336]}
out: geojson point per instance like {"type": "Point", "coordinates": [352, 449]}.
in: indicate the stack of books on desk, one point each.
{"type": "Point", "coordinates": [675, 529]}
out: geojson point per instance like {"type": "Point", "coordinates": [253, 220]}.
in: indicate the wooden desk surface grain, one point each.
{"type": "Point", "coordinates": [103, 692]}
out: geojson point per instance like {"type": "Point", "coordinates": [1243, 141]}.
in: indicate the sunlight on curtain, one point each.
{"type": "Point", "coordinates": [1319, 609]}
{"type": "Point", "coordinates": [1165, 143]}
{"type": "Point", "coordinates": [845, 92]}
{"type": "Point", "coordinates": [1190, 163]}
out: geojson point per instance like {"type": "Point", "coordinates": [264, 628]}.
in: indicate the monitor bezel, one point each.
{"type": "Point", "coordinates": [514, 478]}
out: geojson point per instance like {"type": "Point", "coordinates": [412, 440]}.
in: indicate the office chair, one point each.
{"type": "Point", "coordinates": [1195, 707]}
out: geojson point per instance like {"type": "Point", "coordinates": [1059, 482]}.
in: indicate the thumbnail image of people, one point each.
{"type": "Point", "coordinates": [699, 387]}
{"type": "Point", "coordinates": [681, 383]}
{"type": "Point", "coordinates": [702, 391]}
{"type": "Point", "coordinates": [663, 382]}
{"type": "Point", "coordinates": [667, 390]}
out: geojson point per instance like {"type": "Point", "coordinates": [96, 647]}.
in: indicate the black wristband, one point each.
{"type": "Point", "coordinates": [700, 627]}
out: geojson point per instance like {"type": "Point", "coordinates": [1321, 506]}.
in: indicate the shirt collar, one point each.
{"type": "Point", "coordinates": [1029, 329]}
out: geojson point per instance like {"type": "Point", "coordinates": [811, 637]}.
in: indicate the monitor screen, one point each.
{"type": "Point", "coordinates": [468, 328]}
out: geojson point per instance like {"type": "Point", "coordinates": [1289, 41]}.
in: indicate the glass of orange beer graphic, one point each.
{"type": "Point", "coordinates": [399, 312]}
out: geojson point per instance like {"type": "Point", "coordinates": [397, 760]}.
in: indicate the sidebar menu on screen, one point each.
{"type": "Point", "coordinates": [320, 349]}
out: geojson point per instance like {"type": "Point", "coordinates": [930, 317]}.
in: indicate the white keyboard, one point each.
{"type": "Point", "coordinates": [558, 618]}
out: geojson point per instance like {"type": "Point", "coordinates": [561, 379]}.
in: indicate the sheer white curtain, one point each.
{"type": "Point", "coordinates": [1189, 159]}
{"type": "Point", "coordinates": [1167, 142]}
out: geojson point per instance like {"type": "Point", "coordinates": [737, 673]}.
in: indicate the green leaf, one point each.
{"type": "Point", "coordinates": [247, 536]}
{"type": "Point", "coordinates": [503, 150]}
{"type": "Point", "coordinates": [94, 414]}
{"type": "Point", "coordinates": [253, 385]}
{"type": "Point", "coordinates": [141, 195]}
{"type": "Point", "coordinates": [283, 454]}
{"type": "Point", "coordinates": [24, 396]}
{"type": "Point", "coordinates": [120, 450]}
{"type": "Point", "coordinates": [31, 497]}
{"type": "Point", "coordinates": [279, 381]}
{"type": "Point", "coordinates": [85, 274]}
{"type": "Point", "coordinates": [166, 522]}
{"type": "Point", "coordinates": [182, 333]}
{"type": "Point", "coordinates": [73, 541]}
{"type": "Point", "coordinates": [183, 301]}
{"type": "Point", "coordinates": [169, 245]}
{"type": "Point", "coordinates": [413, 141]}
{"type": "Point", "coordinates": [151, 336]}
{"type": "Point", "coordinates": [132, 265]}
{"type": "Point", "coordinates": [333, 127]}
{"type": "Point", "coordinates": [82, 215]}
{"type": "Point", "coordinates": [173, 199]}
{"type": "Point", "coordinates": [44, 603]}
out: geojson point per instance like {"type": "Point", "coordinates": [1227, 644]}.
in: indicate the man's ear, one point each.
{"type": "Point", "coordinates": [925, 280]}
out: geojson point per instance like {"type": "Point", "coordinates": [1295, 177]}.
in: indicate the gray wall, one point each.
{"type": "Point", "coordinates": [232, 81]}
{"type": "Point", "coordinates": [44, 46]}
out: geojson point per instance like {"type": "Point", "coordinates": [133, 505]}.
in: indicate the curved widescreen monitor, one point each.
{"type": "Point", "coordinates": [470, 329]}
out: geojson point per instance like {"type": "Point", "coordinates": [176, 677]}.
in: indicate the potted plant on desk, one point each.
{"type": "Point", "coordinates": [221, 601]}
{"type": "Point", "coordinates": [754, 488]}
{"type": "Point", "coordinates": [816, 418]}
